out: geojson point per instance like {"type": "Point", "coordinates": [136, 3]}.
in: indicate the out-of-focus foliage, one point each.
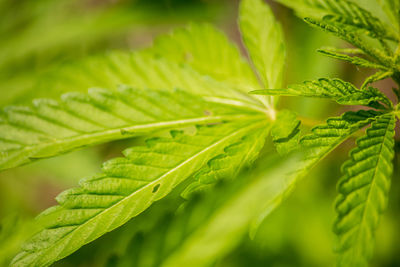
{"type": "Point", "coordinates": [52, 47]}
{"type": "Point", "coordinates": [37, 36]}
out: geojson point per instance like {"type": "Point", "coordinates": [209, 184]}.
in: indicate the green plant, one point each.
{"type": "Point", "coordinates": [188, 95]}
{"type": "Point", "coordinates": [70, 30]}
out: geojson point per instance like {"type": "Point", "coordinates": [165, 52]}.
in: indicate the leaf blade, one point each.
{"type": "Point", "coordinates": [358, 61]}
{"type": "Point", "coordinates": [345, 12]}
{"type": "Point", "coordinates": [108, 204]}
{"type": "Point", "coordinates": [228, 164]}
{"type": "Point", "coordinates": [336, 89]}
{"type": "Point", "coordinates": [324, 138]}
{"type": "Point", "coordinates": [363, 192]}
{"type": "Point", "coordinates": [50, 128]}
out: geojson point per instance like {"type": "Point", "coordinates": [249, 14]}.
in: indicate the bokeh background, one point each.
{"type": "Point", "coordinates": [38, 37]}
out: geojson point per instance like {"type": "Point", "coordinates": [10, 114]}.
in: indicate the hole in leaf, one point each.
{"type": "Point", "coordinates": [155, 188]}
{"type": "Point", "coordinates": [207, 113]}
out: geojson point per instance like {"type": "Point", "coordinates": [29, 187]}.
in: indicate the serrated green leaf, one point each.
{"type": "Point", "coordinates": [345, 12]}
{"type": "Point", "coordinates": [263, 38]}
{"type": "Point", "coordinates": [227, 222]}
{"type": "Point", "coordinates": [358, 61]}
{"type": "Point", "coordinates": [141, 70]}
{"type": "Point", "coordinates": [378, 76]}
{"type": "Point", "coordinates": [353, 38]}
{"type": "Point", "coordinates": [285, 132]}
{"type": "Point", "coordinates": [338, 90]}
{"type": "Point", "coordinates": [363, 192]}
{"type": "Point", "coordinates": [211, 224]}
{"type": "Point", "coordinates": [126, 187]}
{"type": "Point", "coordinates": [228, 164]}
{"type": "Point", "coordinates": [348, 51]}
{"type": "Point", "coordinates": [315, 146]}
{"type": "Point", "coordinates": [49, 128]}
{"type": "Point", "coordinates": [199, 236]}
{"type": "Point", "coordinates": [324, 138]}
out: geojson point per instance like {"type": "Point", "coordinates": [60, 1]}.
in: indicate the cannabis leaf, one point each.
{"type": "Point", "coordinates": [324, 138]}
{"type": "Point", "coordinates": [340, 91]}
{"type": "Point", "coordinates": [383, 73]}
{"type": "Point", "coordinates": [350, 22]}
{"type": "Point", "coordinates": [125, 188]}
{"type": "Point", "coordinates": [218, 231]}
{"type": "Point", "coordinates": [144, 70]}
{"type": "Point", "coordinates": [377, 76]}
{"type": "Point", "coordinates": [215, 236]}
{"type": "Point", "coordinates": [190, 89]}
{"type": "Point", "coordinates": [355, 60]}
{"type": "Point", "coordinates": [315, 146]}
{"type": "Point", "coordinates": [199, 220]}
{"type": "Point", "coordinates": [344, 12]}
{"type": "Point", "coordinates": [50, 128]}
{"type": "Point", "coordinates": [349, 36]}
{"type": "Point", "coordinates": [363, 192]}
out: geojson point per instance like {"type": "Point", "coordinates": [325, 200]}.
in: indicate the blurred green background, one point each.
{"type": "Point", "coordinates": [37, 37]}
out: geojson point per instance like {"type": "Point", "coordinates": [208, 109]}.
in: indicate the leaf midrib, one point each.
{"type": "Point", "coordinates": [219, 142]}
{"type": "Point", "coordinates": [118, 133]}
{"type": "Point", "coordinates": [373, 183]}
